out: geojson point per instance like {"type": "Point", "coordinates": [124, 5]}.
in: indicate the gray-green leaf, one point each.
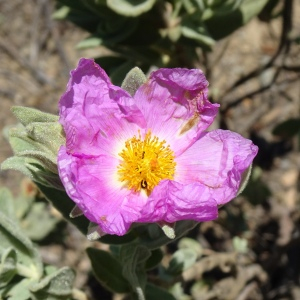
{"type": "Point", "coordinates": [108, 271]}
{"type": "Point", "coordinates": [8, 267]}
{"type": "Point", "coordinates": [181, 260]}
{"type": "Point", "coordinates": [223, 21]}
{"type": "Point", "coordinates": [133, 258]}
{"type": "Point", "coordinates": [12, 236]}
{"type": "Point", "coordinates": [28, 115]}
{"type": "Point", "coordinates": [64, 204]}
{"type": "Point", "coordinates": [131, 8]}
{"type": "Point", "coordinates": [133, 80]}
{"type": "Point", "coordinates": [58, 283]}
{"type": "Point", "coordinates": [154, 292]}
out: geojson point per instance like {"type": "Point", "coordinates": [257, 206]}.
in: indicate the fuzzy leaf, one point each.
{"type": "Point", "coordinates": [108, 271]}
{"type": "Point", "coordinates": [18, 164]}
{"type": "Point", "coordinates": [11, 235]}
{"type": "Point", "coordinates": [240, 245]}
{"type": "Point", "coordinates": [188, 243]}
{"type": "Point", "coordinates": [61, 13]}
{"type": "Point", "coordinates": [48, 161]}
{"type": "Point", "coordinates": [110, 32]}
{"type": "Point", "coordinates": [155, 258]}
{"type": "Point", "coordinates": [133, 80]}
{"type": "Point", "coordinates": [64, 204]}
{"type": "Point", "coordinates": [20, 141]}
{"type": "Point", "coordinates": [20, 290]}
{"type": "Point", "coordinates": [58, 283]}
{"type": "Point", "coordinates": [50, 135]}
{"type": "Point", "coordinates": [250, 8]}
{"type": "Point", "coordinates": [154, 292]}
{"type": "Point", "coordinates": [7, 203]}
{"type": "Point", "coordinates": [90, 42]}
{"type": "Point", "coordinates": [131, 8]}
{"type": "Point", "coordinates": [195, 32]}
{"type": "Point", "coordinates": [25, 199]}
{"type": "Point", "coordinates": [33, 169]}
{"type": "Point", "coordinates": [181, 260]}
{"type": "Point", "coordinates": [79, 14]}
{"type": "Point", "coordinates": [51, 180]}
{"type": "Point", "coordinates": [38, 222]}
{"type": "Point", "coordinates": [178, 292]}
{"type": "Point", "coordinates": [256, 190]}
{"type": "Point", "coordinates": [28, 115]}
{"type": "Point", "coordinates": [223, 21]}
{"type": "Point", "coordinates": [288, 128]}
{"type": "Point", "coordinates": [7, 266]}
{"type": "Point", "coordinates": [133, 258]}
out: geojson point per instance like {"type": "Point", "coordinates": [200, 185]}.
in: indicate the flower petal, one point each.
{"type": "Point", "coordinates": [174, 103]}
{"type": "Point", "coordinates": [96, 113]}
{"type": "Point", "coordinates": [217, 160]}
{"type": "Point", "coordinates": [93, 185]}
{"type": "Point", "coordinates": [171, 201]}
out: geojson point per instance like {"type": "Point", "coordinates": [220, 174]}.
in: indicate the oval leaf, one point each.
{"type": "Point", "coordinates": [288, 128]}
{"type": "Point", "coordinates": [64, 204]}
{"type": "Point", "coordinates": [108, 271]}
{"type": "Point", "coordinates": [181, 260]}
{"type": "Point", "coordinates": [11, 236]}
{"type": "Point", "coordinates": [133, 80]}
{"type": "Point", "coordinates": [28, 115]}
{"type": "Point", "coordinates": [224, 22]}
{"type": "Point", "coordinates": [131, 8]}
{"type": "Point", "coordinates": [154, 292]}
{"type": "Point", "coordinates": [58, 283]}
{"type": "Point", "coordinates": [7, 266]}
{"type": "Point", "coordinates": [155, 258]}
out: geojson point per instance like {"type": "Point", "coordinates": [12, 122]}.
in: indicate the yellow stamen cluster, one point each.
{"type": "Point", "coordinates": [145, 163]}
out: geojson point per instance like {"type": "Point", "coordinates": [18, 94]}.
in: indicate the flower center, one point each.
{"type": "Point", "coordinates": [145, 163]}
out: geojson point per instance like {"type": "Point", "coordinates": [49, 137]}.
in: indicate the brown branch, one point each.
{"type": "Point", "coordinates": [56, 37]}
{"type": "Point", "coordinates": [14, 54]}
{"type": "Point", "coordinates": [291, 68]}
{"type": "Point", "coordinates": [258, 91]}
{"type": "Point", "coordinates": [283, 45]}
{"type": "Point", "coordinates": [251, 94]}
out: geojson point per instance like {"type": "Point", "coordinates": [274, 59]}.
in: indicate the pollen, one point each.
{"type": "Point", "coordinates": [145, 162]}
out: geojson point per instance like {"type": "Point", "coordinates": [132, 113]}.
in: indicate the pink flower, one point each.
{"type": "Point", "coordinates": [146, 158]}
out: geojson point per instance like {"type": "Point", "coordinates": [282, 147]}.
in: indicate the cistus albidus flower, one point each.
{"type": "Point", "coordinates": [146, 158]}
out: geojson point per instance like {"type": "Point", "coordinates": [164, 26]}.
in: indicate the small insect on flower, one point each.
{"type": "Point", "coordinates": [143, 184]}
{"type": "Point", "coordinates": [147, 157]}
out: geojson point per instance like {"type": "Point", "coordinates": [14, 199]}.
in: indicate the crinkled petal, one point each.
{"type": "Point", "coordinates": [93, 185]}
{"type": "Point", "coordinates": [95, 113]}
{"type": "Point", "coordinates": [171, 201]}
{"type": "Point", "coordinates": [99, 117]}
{"type": "Point", "coordinates": [217, 160]}
{"type": "Point", "coordinates": [175, 105]}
